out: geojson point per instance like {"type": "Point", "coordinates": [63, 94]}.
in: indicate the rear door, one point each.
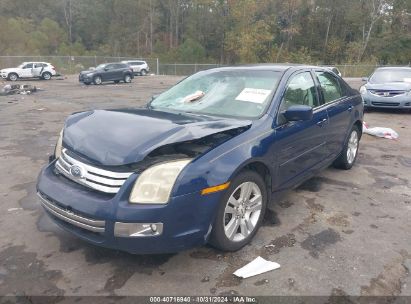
{"type": "Point", "coordinates": [37, 69]}
{"type": "Point", "coordinates": [339, 108]}
{"type": "Point", "coordinates": [300, 145]}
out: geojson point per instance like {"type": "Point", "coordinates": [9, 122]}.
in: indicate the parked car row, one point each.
{"type": "Point", "coordinates": [117, 71]}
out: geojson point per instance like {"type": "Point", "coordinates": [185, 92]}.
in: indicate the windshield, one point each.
{"type": "Point", "coordinates": [394, 75]}
{"type": "Point", "coordinates": [101, 66]}
{"type": "Point", "coordinates": [236, 93]}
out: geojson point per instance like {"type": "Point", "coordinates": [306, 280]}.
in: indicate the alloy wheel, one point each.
{"type": "Point", "coordinates": [352, 147]}
{"type": "Point", "coordinates": [242, 211]}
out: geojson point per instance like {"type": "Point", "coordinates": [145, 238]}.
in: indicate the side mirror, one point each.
{"type": "Point", "coordinates": [106, 69]}
{"type": "Point", "coordinates": [364, 79]}
{"type": "Point", "coordinates": [298, 113]}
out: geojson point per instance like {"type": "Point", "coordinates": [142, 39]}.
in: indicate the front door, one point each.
{"type": "Point", "coordinates": [300, 145]}
{"type": "Point", "coordinates": [26, 70]}
{"type": "Point", "coordinates": [109, 72]}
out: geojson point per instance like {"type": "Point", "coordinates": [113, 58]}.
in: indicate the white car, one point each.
{"type": "Point", "coordinates": [43, 70]}
{"type": "Point", "coordinates": [139, 67]}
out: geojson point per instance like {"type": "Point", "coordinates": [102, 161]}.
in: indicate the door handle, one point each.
{"type": "Point", "coordinates": [322, 122]}
{"type": "Point", "coordinates": [350, 108]}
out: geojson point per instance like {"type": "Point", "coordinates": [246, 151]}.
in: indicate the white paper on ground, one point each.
{"type": "Point", "coordinates": [255, 267]}
{"type": "Point", "coordinates": [253, 95]}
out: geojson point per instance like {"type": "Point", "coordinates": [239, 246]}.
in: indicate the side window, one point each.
{"type": "Point", "coordinates": [300, 91]}
{"type": "Point", "coordinates": [330, 86]}
{"type": "Point", "coordinates": [109, 66]}
{"type": "Point", "coordinates": [28, 66]}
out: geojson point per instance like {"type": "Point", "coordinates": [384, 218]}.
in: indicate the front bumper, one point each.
{"type": "Point", "coordinates": [185, 221]}
{"type": "Point", "coordinates": [84, 78]}
{"type": "Point", "coordinates": [373, 101]}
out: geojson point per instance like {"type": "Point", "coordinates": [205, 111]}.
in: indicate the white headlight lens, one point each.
{"type": "Point", "coordinates": [154, 185]}
{"type": "Point", "coordinates": [59, 145]}
{"type": "Point", "coordinates": [363, 90]}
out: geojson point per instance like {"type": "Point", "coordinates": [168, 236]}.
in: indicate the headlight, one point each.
{"type": "Point", "coordinates": [363, 90]}
{"type": "Point", "coordinates": [154, 185]}
{"type": "Point", "coordinates": [59, 145]}
{"type": "Point", "coordinates": [89, 74]}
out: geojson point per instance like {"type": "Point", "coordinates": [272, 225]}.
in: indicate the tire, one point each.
{"type": "Point", "coordinates": [127, 78]}
{"type": "Point", "coordinates": [12, 77]}
{"type": "Point", "coordinates": [241, 234]}
{"type": "Point", "coordinates": [349, 154]}
{"type": "Point", "coordinates": [97, 80]}
{"type": "Point", "coordinates": [116, 81]}
{"type": "Point", "coordinates": [46, 76]}
{"type": "Point", "coordinates": [143, 72]}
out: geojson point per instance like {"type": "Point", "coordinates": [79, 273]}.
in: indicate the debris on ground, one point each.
{"type": "Point", "coordinates": [255, 267]}
{"type": "Point", "coordinates": [22, 89]}
{"type": "Point", "coordinates": [380, 132]}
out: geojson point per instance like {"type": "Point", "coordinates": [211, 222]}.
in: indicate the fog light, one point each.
{"type": "Point", "coordinates": [137, 229]}
{"type": "Point", "coordinates": [153, 227]}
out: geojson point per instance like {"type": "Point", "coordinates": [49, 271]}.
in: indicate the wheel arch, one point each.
{"type": "Point", "coordinates": [358, 124]}
{"type": "Point", "coordinates": [260, 168]}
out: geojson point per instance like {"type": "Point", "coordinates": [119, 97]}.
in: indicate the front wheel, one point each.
{"type": "Point", "coordinates": [97, 80]}
{"type": "Point", "coordinates": [127, 78]}
{"type": "Point", "coordinates": [143, 72]}
{"type": "Point", "coordinates": [349, 154]}
{"type": "Point", "coordinates": [13, 77]}
{"type": "Point", "coordinates": [240, 212]}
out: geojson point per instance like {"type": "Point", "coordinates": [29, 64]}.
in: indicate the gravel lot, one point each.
{"type": "Point", "coordinates": [340, 233]}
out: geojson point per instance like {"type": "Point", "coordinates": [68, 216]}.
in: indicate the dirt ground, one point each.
{"type": "Point", "coordinates": [340, 233]}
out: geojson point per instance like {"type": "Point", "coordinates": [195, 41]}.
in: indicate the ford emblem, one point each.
{"type": "Point", "coordinates": [77, 171]}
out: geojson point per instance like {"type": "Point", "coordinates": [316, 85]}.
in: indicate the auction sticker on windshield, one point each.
{"type": "Point", "coordinates": [253, 95]}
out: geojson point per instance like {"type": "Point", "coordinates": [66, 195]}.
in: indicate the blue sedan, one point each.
{"type": "Point", "coordinates": [201, 161]}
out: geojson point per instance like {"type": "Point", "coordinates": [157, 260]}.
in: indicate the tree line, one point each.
{"type": "Point", "coordinates": [218, 31]}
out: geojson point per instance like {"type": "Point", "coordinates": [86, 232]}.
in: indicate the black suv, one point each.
{"type": "Point", "coordinates": [107, 72]}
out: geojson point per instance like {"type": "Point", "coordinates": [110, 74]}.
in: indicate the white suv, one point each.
{"type": "Point", "coordinates": [43, 70]}
{"type": "Point", "coordinates": [139, 67]}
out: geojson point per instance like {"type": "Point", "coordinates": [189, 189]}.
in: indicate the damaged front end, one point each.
{"type": "Point", "coordinates": [90, 153]}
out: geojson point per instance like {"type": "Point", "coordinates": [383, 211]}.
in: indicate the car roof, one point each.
{"type": "Point", "coordinates": [394, 68]}
{"type": "Point", "coordinates": [269, 66]}
{"type": "Point", "coordinates": [26, 62]}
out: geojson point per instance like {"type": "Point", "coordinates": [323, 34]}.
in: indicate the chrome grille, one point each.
{"type": "Point", "coordinates": [71, 217]}
{"type": "Point", "coordinates": [90, 176]}
{"type": "Point", "coordinates": [384, 93]}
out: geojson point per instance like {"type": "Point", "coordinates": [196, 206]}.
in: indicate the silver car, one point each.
{"type": "Point", "coordinates": [388, 87]}
{"type": "Point", "coordinates": [139, 67]}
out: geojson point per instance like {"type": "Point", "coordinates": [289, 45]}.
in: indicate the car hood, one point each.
{"type": "Point", "coordinates": [86, 72]}
{"type": "Point", "coordinates": [121, 137]}
{"type": "Point", "coordinates": [393, 86]}
{"type": "Point", "coordinates": [9, 70]}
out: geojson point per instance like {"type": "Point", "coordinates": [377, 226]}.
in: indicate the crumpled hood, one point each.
{"type": "Point", "coordinates": [392, 86]}
{"type": "Point", "coordinates": [121, 137]}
